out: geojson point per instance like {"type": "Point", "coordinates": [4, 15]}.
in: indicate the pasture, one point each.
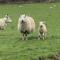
{"type": "Point", "coordinates": [11, 45]}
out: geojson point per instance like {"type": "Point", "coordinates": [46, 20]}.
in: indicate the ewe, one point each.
{"type": "Point", "coordinates": [4, 21]}
{"type": "Point", "coordinates": [42, 30]}
{"type": "Point", "coordinates": [26, 25]}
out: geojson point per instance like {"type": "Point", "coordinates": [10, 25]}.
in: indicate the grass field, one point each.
{"type": "Point", "coordinates": [11, 45]}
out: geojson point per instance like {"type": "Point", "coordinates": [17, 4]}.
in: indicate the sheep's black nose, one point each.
{"type": "Point", "coordinates": [22, 21]}
{"type": "Point", "coordinates": [41, 26]}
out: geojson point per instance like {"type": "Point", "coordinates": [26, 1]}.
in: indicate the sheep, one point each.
{"type": "Point", "coordinates": [4, 21]}
{"type": "Point", "coordinates": [26, 25]}
{"type": "Point", "coordinates": [42, 30]}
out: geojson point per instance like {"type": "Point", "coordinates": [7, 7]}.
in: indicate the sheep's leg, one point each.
{"type": "Point", "coordinates": [22, 36]}
{"type": "Point", "coordinates": [45, 35]}
{"type": "Point", "coordinates": [26, 36]}
{"type": "Point", "coordinates": [40, 36]}
{"type": "Point", "coordinates": [1, 28]}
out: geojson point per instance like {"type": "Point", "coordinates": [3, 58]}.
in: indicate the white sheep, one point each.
{"type": "Point", "coordinates": [26, 25]}
{"type": "Point", "coordinates": [4, 21]}
{"type": "Point", "coordinates": [42, 30]}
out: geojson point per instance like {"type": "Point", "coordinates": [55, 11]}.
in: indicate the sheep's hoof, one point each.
{"type": "Point", "coordinates": [24, 39]}
{"type": "Point", "coordinates": [38, 38]}
{"type": "Point", "coordinates": [41, 38]}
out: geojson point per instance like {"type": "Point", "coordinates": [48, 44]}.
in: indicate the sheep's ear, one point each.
{"type": "Point", "coordinates": [7, 14]}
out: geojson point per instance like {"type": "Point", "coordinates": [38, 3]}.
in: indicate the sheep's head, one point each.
{"type": "Point", "coordinates": [42, 23]}
{"type": "Point", "coordinates": [7, 19]}
{"type": "Point", "coordinates": [23, 18]}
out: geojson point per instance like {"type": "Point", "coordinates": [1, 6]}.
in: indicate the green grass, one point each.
{"type": "Point", "coordinates": [11, 45]}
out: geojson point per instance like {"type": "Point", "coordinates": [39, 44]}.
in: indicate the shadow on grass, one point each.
{"type": "Point", "coordinates": [48, 37]}
{"type": "Point", "coordinates": [29, 38]}
{"type": "Point", "coordinates": [32, 38]}
{"type": "Point", "coordinates": [53, 37]}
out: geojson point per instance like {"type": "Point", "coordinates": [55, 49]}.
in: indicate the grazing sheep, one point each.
{"type": "Point", "coordinates": [42, 30]}
{"type": "Point", "coordinates": [26, 25]}
{"type": "Point", "coordinates": [4, 21]}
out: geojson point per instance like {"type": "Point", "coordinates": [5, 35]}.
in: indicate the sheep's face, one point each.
{"type": "Point", "coordinates": [8, 19]}
{"type": "Point", "coordinates": [41, 24]}
{"type": "Point", "coordinates": [23, 19]}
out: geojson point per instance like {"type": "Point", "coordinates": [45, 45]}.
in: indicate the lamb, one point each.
{"type": "Point", "coordinates": [26, 25]}
{"type": "Point", "coordinates": [4, 21]}
{"type": "Point", "coordinates": [42, 30]}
